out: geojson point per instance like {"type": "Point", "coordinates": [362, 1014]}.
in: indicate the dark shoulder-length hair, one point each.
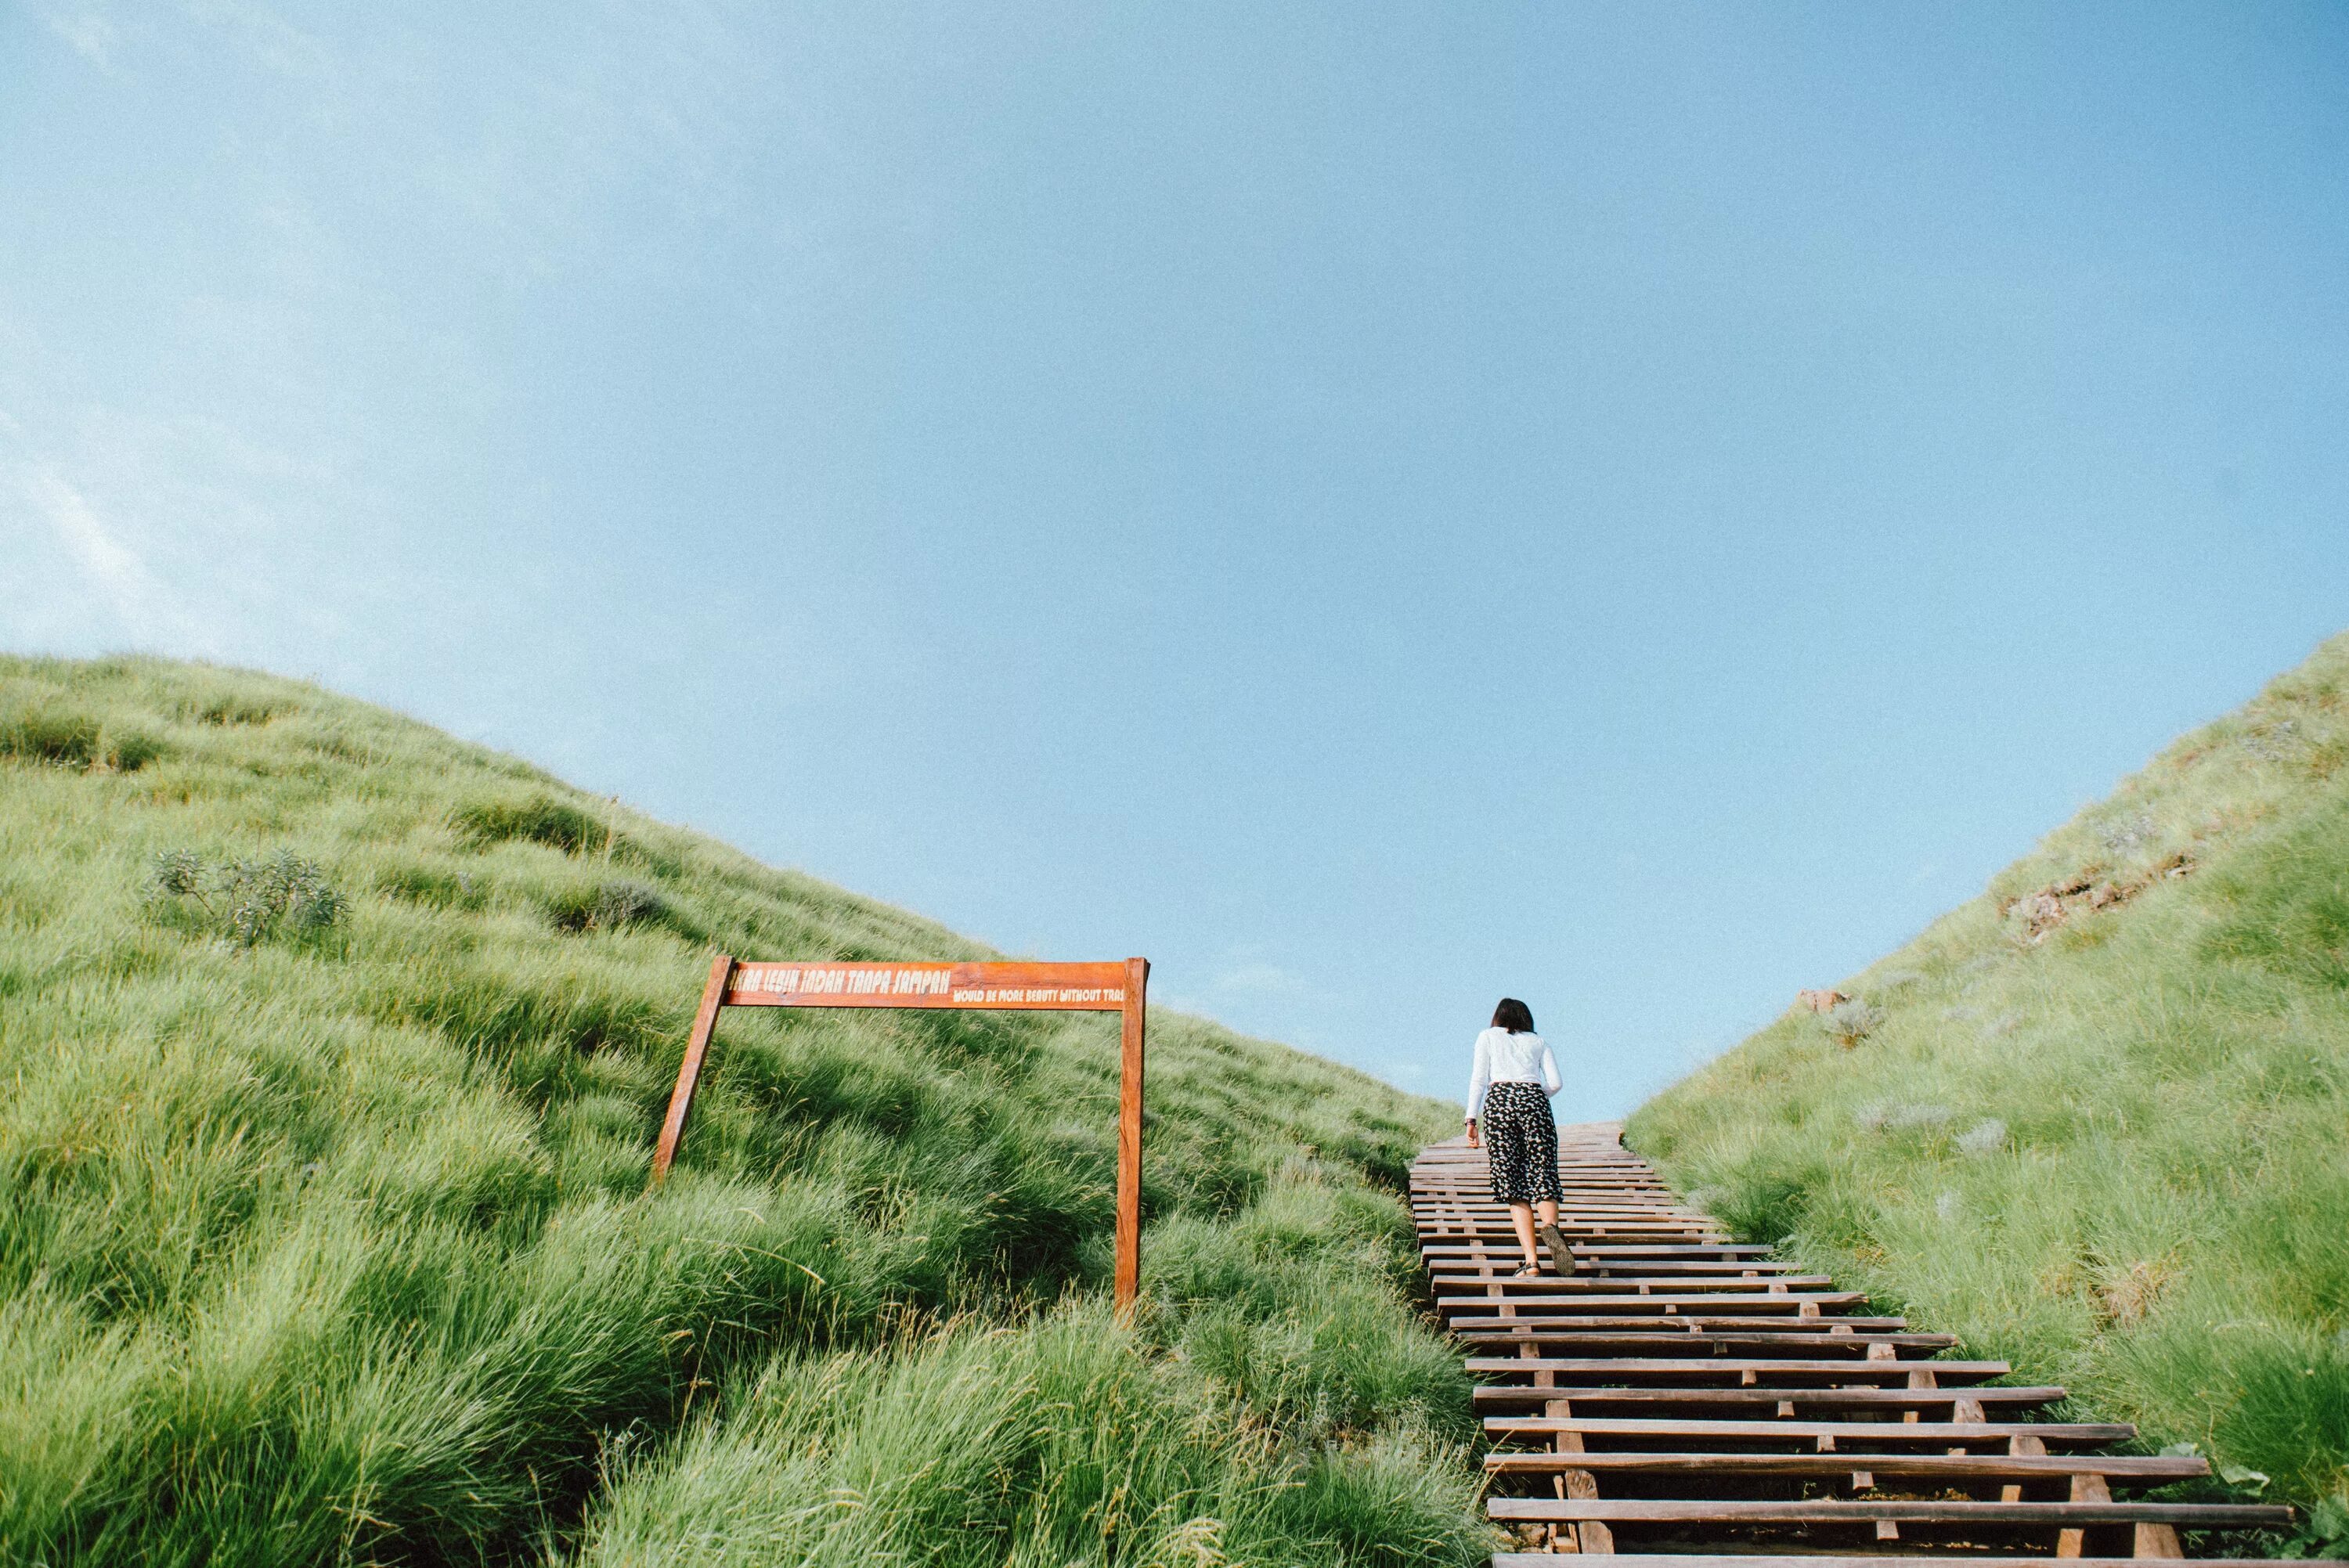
{"type": "Point", "coordinates": [1514, 1016]}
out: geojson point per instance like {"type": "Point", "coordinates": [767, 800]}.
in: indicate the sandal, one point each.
{"type": "Point", "coordinates": [1561, 1255]}
{"type": "Point", "coordinates": [1530, 1271]}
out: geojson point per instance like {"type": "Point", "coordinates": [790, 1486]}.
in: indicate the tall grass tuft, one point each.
{"type": "Point", "coordinates": [336, 1049]}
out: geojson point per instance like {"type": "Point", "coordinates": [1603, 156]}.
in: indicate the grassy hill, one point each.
{"type": "Point", "coordinates": [2098, 1120]}
{"type": "Point", "coordinates": [335, 1050]}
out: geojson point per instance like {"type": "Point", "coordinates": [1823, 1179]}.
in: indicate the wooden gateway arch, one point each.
{"type": "Point", "coordinates": [1113, 986]}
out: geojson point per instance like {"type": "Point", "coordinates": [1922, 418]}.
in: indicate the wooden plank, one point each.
{"type": "Point", "coordinates": [2085, 1489]}
{"type": "Point", "coordinates": [689, 1070]}
{"type": "Point", "coordinates": [1554, 1285]}
{"type": "Point", "coordinates": [1649, 1269]}
{"type": "Point", "coordinates": [1992, 1467]}
{"type": "Point", "coordinates": [986, 988]}
{"type": "Point", "coordinates": [1608, 1250]}
{"type": "Point", "coordinates": [1781, 1429]}
{"type": "Point", "coordinates": [1791, 1304]}
{"type": "Point", "coordinates": [1498, 1395]}
{"type": "Point", "coordinates": [1713, 1366]}
{"type": "Point", "coordinates": [1801, 1560]}
{"type": "Point", "coordinates": [1131, 989]}
{"type": "Point", "coordinates": [1699, 1341]}
{"type": "Point", "coordinates": [1789, 1324]}
{"type": "Point", "coordinates": [1822, 1511]}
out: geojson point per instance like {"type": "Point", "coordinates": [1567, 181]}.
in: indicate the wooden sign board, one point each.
{"type": "Point", "coordinates": [1017, 986]}
{"type": "Point", "coordinates": [1053, 987]}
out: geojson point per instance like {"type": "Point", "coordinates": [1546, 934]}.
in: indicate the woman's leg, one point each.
{"type": "Point", "coordinates": [1504, 1151]}
{"type": "Point", "coordinates": [1521, 1215]}
{"type": "Point", "coordinates": [1546, 1190]}
{"type": "Point", "coordinates": [1561, 1261]}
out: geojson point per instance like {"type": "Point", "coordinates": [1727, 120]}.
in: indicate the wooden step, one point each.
{"type": "Point", "coordinates": [2155, 1471]}
{"type": "Point", "coordinates": [1519, 1395]}
{"type": "Point", "coordinates": [1549, 1287]}
{"type": "Point", "coordinates": [1946, 1433]}
{"type": "Point", "coordinates": [1664, 1303]}
{"type": "Point", "coordinates": [1442, 1246]}
{"type": "Point", "coordinates": [1910, 1559]}
{"type": "Point", "coordinates": [1712, 1342]}
{"type": "Point", "coordinates": [1690, 1323]}
{"type": "Point", "coordinates": [1844, 1510]}
{"type": "Point", "coordinates": [1785, 1372]}
{"type": "Point", "coordinates": [1639, 1268]}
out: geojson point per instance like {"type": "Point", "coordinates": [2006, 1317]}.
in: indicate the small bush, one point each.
{"type": "Point", "coordinates": [247, 900]}
{"type": "Point", "coordinates": [1998, 1027]}
{"type": "Point", "coordinates": [2326, 1532]}
{"type": "Point", "coordinates": [1985, 1137]}
{"type": "Point", "coordinates": [440, 889]}
{"type": "Point", "coordinates": [58, 739]}
{"type": "Point", "coordinates": [1897, 1116]}
{"type": "Point", "coordinates": [541, 820]}
{"type": "Point", "coordinates": [610, 906]}
{"type": "Point", "coordinates": [226, 711]}
{"type": "Point", "coordinates": [1848, 1023]}
{"type": "Point", "coordinates": [1766, 1206]}
{"type": "Point", "coordinates": [129, 752]}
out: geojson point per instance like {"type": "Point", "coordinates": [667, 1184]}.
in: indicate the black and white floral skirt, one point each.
{"type": "Point", "coordinates": [1521, 1142]}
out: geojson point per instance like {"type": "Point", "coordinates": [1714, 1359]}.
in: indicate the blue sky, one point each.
{"type": "Point", "coordinates": [1372, 506]}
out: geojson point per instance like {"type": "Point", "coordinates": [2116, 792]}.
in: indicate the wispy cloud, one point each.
{"type": "Point", "coordinates": [1258, 979]}
{"type": "Point", "coordinates": [1255, 996]}
{"type": "Point", "coordinates": [173, 536]}
{"type": "Point", "coordinates": [267, 36]}
{"type": "Point", "coordinates": [88, 31]}
{"type": "Point", "coordinates": [116, 569]}
{"type": "Point", "coordinates": [108, 574]}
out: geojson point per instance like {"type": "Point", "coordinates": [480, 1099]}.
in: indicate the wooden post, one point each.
{"type": "Point", "coordinates": [1129, 1139]}
{"type": "Point", "coordinates": [689, 1072]}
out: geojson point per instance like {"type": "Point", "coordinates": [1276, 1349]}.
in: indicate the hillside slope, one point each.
{"type": "Point", "coordinates": [2098, 1119]}
{"type": "Point", "coordinates": [336, 1049]}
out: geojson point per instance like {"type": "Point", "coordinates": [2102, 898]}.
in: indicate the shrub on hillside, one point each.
{"type": "Point", "coordinates": [62, 740]}
{"type": "Point", "coordinates": [609, 906]}
{"type": "Point", "coordinates": [1763, 1206]}
{"type": "Point", "coordinates": [437, 889]}
{"type": "Point", "coordinates": [249, 900]}
{"type": "Point", "coordinates": [1901, 1116]}
{"type": "Point", "coordinates": [2287, 901]}
{"type": "Point", "coordinates": [1985, 1137]}
{"type": "Point", "coordinates": [541, 820]}
{"type": "Point", "coordinates": [224, 711]}
{"type": "Point", "coordinates": [127, 753]}
{"type": "Point", "coordinates": [1848, 1023]}
{"type": "Point", "coordinates": [47, 735]}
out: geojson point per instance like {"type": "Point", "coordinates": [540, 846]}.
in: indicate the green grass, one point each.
{"type": "Point", "coordinates": [2117, 1154]}
{"type": "Point", "coordinates": [324, 1238]}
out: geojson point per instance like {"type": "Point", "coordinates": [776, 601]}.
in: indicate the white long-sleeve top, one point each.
{"type": "Point", "coordinates": [1504, 1057]}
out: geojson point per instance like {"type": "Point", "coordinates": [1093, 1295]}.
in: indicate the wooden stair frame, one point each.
{"type": "Point", "coordinates": [1751, 1373]}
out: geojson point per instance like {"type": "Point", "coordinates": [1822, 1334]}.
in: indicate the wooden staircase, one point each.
{"type": "Point", "coordinates": [1686, 1399]}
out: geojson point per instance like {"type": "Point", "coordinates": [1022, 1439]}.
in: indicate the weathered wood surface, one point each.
{"type": "Point", "coordinates": [1692, 1400]}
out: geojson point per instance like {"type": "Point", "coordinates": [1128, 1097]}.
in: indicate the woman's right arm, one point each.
{"type": "Point", "coordinates": [1480, 1078]}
